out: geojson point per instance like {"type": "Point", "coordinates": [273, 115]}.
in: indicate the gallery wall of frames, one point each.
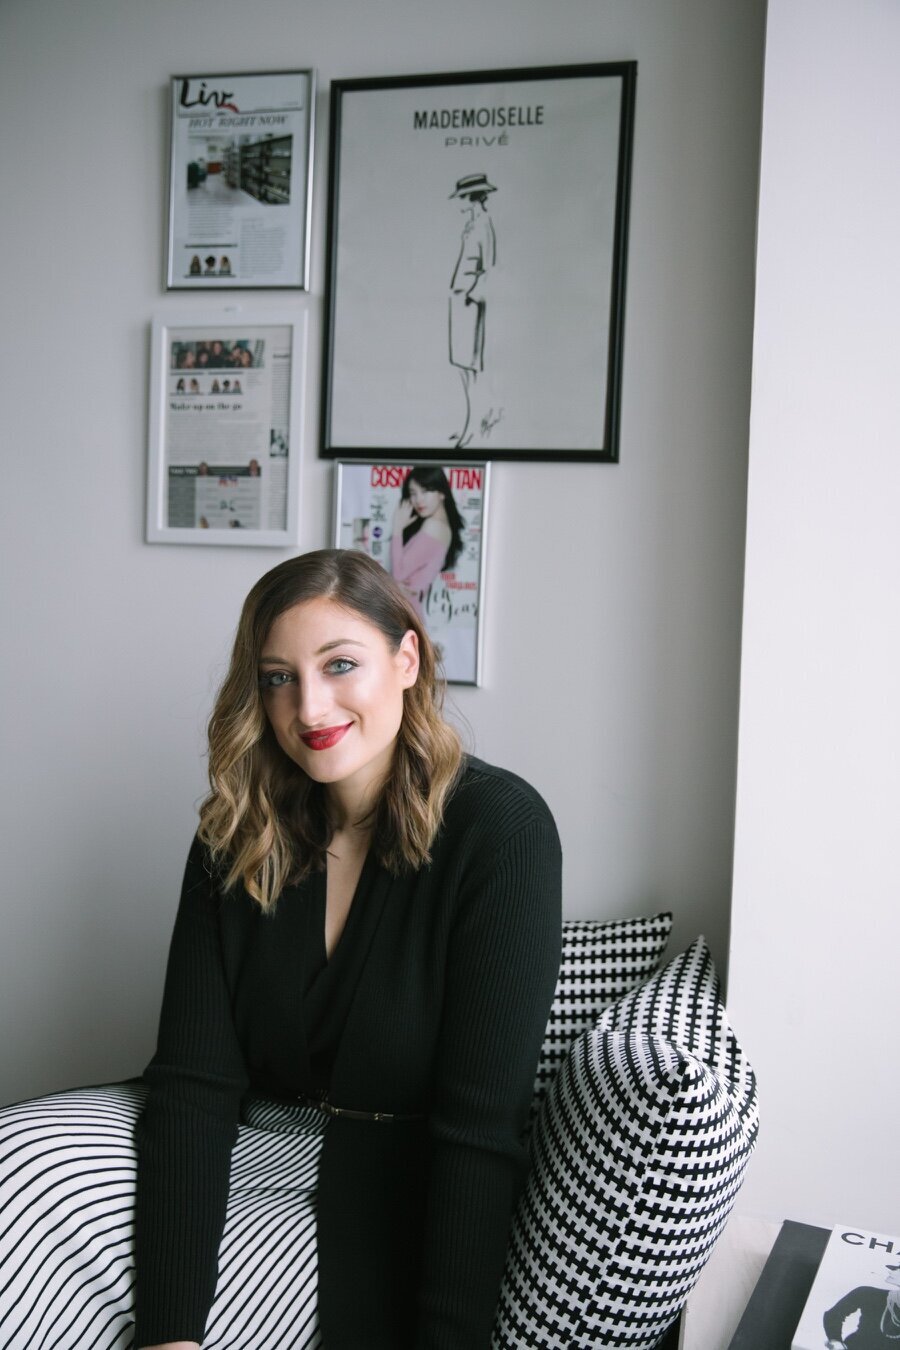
{"type": "Point", "coordinates": [470, 316]}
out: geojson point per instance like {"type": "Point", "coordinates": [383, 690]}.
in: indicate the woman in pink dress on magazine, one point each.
{"type": "Point", "coordinates": [428, 533]}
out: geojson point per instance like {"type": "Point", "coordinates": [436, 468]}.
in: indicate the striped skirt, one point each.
{"type": "Point", "coordinates": [67, 1185]}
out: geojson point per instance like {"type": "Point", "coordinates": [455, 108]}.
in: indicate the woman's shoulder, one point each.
{"type": "Point", "coordinates": [496, 800]}
{"type": "Point", "coordinates": [436, 529]}
{"type": "Point", "coordinates": [206, 882]}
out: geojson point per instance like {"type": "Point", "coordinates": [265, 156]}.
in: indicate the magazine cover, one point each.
{"type": "Point", "coordinates": [855, 1298]}
{"type": "Point", "coordinates": [425, 524]}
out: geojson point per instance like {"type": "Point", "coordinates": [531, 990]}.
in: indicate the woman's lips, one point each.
{"type": "Point", "coordinates": [325, 738]}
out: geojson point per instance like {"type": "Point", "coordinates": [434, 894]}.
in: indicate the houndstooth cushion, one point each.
{"type": "Point", "coordinates": [637, 1157]}
{"type": "Point", "coordinates": [600, 963]}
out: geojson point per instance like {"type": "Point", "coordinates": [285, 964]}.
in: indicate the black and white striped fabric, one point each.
{"type": "Point", "coordinates": [67, 1184]}
{"type": "Point", "coordinates": [600, 962]}
{"type": "Point", "coordinates": [67, 1179]}
{"type": "Point", "coordinates": [637, 1157]}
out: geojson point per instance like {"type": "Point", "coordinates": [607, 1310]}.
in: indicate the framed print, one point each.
{"type": "Point", "coordinates": [240, 180]}
{"type": "Point", "coordinates": [477, 237]}
{"type": "Point", "coordinates": [223, 462]}
{"type": "Point", "coordinates": [425, 523]}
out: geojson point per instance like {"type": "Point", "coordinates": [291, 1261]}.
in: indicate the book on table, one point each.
{"type": "Point", "coordinates": [855, 1294]}
{"type": "Point", "coordinates": [776, 1303]}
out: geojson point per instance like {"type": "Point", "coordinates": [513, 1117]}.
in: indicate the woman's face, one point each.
{"type": "Point", "coordinates": [424, 501]}
{"type": "Point", "coordinates": [332, 690]}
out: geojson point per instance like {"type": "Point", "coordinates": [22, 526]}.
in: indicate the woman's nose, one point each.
{"type": "Point", "coordinates": [312, 702]}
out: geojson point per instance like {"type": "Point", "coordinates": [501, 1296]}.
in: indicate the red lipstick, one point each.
{"type": "Point", "coordinates": [325, 737]}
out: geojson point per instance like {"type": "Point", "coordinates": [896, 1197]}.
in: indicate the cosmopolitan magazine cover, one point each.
{"type": "Point", "coordinates": [425, 524]}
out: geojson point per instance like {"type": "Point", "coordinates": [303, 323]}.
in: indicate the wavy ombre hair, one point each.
{"type": "Point", "coordinates": [265, 821]}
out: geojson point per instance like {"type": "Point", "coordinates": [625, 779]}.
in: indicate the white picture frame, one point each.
{"type": "Point", "coordinates": [226, 394]}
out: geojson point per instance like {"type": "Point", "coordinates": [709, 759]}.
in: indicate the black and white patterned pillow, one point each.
{"type": "Point", "coordinates": [600, 962]}
{"type": "Point", "coordinates": [637, 1157]}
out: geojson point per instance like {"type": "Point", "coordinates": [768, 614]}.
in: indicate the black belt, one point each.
{"type": "Point", "coordinates": [345, 1113]}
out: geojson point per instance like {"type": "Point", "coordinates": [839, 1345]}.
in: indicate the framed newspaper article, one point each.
{"type": "Point", "coordinates": [240, 180]}
{"type": "Point", "coordinates": [425, 523]}
{"type": "Point", "coordinates": [477, 240]}
{"type": "Point", "coordinates": [225, 399]}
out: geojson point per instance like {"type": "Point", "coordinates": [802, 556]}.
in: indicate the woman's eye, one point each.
{"type": "Point", "coordinates": [274, 679]}
{"type": "Point", "coordinates": [341, 665]}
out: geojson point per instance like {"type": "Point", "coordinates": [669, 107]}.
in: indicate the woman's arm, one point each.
{"type": "Point", "coordinates": [502, 969]}
{"type": "Point", "coordinates": [834, 1319]}
{"type": "Point", "coordinates": [189, 1126]}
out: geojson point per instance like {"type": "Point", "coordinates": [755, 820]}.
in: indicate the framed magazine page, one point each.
{"type": "Point", "coordinates": [240, 180]}
{"type": "Point", "coordinates": [477, 239]}
{"type": "Point", "coordinates": [425, 523]}
{"type": "Point", "coordinates": [223, 462]}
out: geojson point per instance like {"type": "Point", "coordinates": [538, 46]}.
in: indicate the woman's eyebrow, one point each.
{"type": "Point", "coordinates": [327, 647]}
{"type": "Point", "coordinates": [339, 642]}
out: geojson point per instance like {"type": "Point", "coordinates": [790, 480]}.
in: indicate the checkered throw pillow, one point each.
{"type": "Point", "coordinates": [637, 1157]}
{"type": "Point", "coordinates": [600, 963]}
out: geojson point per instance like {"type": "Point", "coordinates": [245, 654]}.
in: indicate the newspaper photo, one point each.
{"type": "Point", "coordinates": [222, 462]}
{"type": "Point", "coordinates": [426, 525]}
{"type": "Point", "coordinates": [240, 180]}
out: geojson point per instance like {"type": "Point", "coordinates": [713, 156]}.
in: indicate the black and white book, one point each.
{"type": "Point", "coordinates": [855, 1296]}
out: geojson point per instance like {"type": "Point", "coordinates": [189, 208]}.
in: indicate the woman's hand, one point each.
{"type": "Point", "coordinates": [404, 515]}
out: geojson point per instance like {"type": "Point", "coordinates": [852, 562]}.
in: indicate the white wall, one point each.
{"type": "Point", "coordinates": [816, 914]}
{"type": "Point", "coordinates": [613, 612]}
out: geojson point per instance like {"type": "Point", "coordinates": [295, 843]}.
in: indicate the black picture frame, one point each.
{"type": "Point", "coordinates": [530, 315]}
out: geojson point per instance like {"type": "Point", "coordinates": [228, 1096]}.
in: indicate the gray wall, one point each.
{"type": "Point", "coordinates": [613, 610]}
{"type": "Point", "coordinates": [816, 918]}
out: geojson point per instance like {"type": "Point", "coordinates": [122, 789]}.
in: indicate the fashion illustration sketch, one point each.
{"type": "Point", "coordinates": [468, 294]}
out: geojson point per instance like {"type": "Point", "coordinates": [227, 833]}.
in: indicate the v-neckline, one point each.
{"type": "Point", "coordinates": [362, 882]}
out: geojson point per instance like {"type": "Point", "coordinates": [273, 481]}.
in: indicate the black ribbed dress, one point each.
{"type": "Point", "coordinates": [433, 1006]}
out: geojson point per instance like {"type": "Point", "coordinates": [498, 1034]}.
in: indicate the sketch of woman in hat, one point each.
{"type": "Point", "coordinates": [879, 1316]}
{"type": "Point", "coordinates": [468, 304]}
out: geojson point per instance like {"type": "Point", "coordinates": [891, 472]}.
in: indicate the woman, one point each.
{"type": "Point", "coordinates": [878, 1310]}
{"type": "Point", "coordinates": [361, 969]}
{"type": "Point", "coordinates": [427, 535]}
